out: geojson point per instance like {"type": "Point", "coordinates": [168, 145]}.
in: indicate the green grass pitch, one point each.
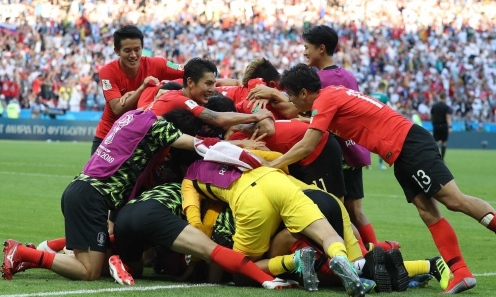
{"type": "Point", "coordinates": [33, 176]}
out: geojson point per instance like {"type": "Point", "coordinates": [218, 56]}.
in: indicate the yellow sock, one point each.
{"type": "Point", "coordinates": [280, 264]}
{"type": "Point", "coordinates": [337, 249]}
{"type": "Point", "coordinates": [417, 267]}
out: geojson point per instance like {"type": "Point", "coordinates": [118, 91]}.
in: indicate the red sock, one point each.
{"type": "Point", "coordinates": [362, 247]}
{"type": "Point", "coordinates": [235, 262]}
{"type": "Point", "coordinates": [447, 243]}
{"type": "Point", "coordinates": [39, 258]}
{"type": "Point", "coordinates": [112, 243]}
{"type": "Point", "coordinates": [367, 233]}
{"type": "Point", "coordinates": [56, 244]}
{"type": "Point", "coordinates": [384, 245]}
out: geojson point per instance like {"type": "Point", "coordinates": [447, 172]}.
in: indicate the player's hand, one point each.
{"type": "Point", "coordinates": [150, 81]}
{"type": "Point", "coordinates": [257, 104]}
{"type": "Point", "coordinates": [264, 114]}
{"type": "Point", "coordinates": [124, 97]}
{"type": "Point", "coordinates": [260, 92]}
{"type": "Point", "coordinates": [188, 272]}
{"type": "Point", "coordinates": [252, 144]}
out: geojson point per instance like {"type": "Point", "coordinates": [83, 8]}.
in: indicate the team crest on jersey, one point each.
{"type": "Point", "coordinates": [191, 104]}
{"type": "Point", "coordinates": [174, 66]}
{"type": "Point", "coordinates": [106, 84]}
{"type": "Point", "coordinates": [314, 112]}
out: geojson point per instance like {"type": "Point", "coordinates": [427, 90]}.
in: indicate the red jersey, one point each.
{"type": "Point", "coordinates": [115, 83]}
{"type": "Point", "coordinates": [369, 122]}
{"type": "Point", "coordinates": [287, 134]}
{"type": "Point", "coordinates": [147, 96]}
{"type": "Point", "coordinates": [172, 100]}
{"type": "Point", "coordinates": [238, 93]}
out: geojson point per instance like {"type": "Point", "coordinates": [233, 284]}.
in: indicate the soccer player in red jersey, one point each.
{"type": "Point", "coordinates": [124, 79]}
{"type": "Point", "coordinates": [418, 166]}
{"type": "Point", "coordinates": [198, 85]}
{"type": "Point", "coordinates": [260, 72]}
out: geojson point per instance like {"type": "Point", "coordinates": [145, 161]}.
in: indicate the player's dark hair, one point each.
{"type": "Point", "coordinates": [127, 32]}
{"type": "Point", "coordinates": [381, 86]}
{"type": "Point", "coordinates": [185, 121]}
{"type": "Point", "coordinates": [220, 103]}
{"type": "Point", "coordinates": [171, 85]}
{"type": "Point", "coordinates": [217, 103]}
{"type": "Point", "coordinates": [322, 35]}
{"type": "Point", "coordinates": [260, 68]}
{"type": "Point", "coordinates": [299, 77]}
{"type": "Point", "coordinates": [196, 69]}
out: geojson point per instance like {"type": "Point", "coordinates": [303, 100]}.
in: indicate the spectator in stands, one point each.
{"type": "Point", "coordinates": [13, 109]}
{"type": "Point", "coordinates": [394, 41]}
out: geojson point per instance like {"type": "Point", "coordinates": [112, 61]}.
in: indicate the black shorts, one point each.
{"type": "Point", "coordinates": [440, 132]}
{"type": "Point", "coordinates": [329, 207]}
{"type": "Point", "coordinates": [353, 180]}
{"type": "Point", "coordinates": [326, 171]}
{"type": "Point", "coordinates": [145, 224]}
{"type": "Point", "coordinates": [419, 167]}
{"type": "Point", "coordinates": [85, 214]}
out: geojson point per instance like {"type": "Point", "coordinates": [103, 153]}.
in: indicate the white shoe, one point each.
{"type": "Point", "coordinates": [43, 246]}
{"type": "Point", "coordinates": [277, 284]}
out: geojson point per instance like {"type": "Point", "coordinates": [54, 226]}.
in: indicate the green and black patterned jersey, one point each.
{"type": "Point", "coordinates": [224, 228]}
{"type": "Point", "coordinates": [168, 194]}
{"type": "Point", "coordinates": [119, 186]}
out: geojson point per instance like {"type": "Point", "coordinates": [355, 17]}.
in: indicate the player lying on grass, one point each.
{"type": "Point", "coordinates": [260, 198]}
{"type": "Point", "coordinates": [147, 222]}
{"type": "Point", "coordinates": [387, 269]}
{"type": "Point", "coordinates": [322, 167]}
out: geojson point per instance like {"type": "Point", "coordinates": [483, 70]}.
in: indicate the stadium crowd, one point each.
{"type": "Point", "coordinates": [52, 50]}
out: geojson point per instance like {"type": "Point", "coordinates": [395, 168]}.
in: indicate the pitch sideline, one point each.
{"type": "Point", "coordinates": [110, 290]}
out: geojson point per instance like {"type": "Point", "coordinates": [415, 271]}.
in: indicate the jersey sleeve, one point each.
{"type": "Point", "coordinates": [170, 71]}
{"type": "Point", "coordinates": [168, 102]}
{"type": "Point", "coordinates": [164, 133]}
{"type": "Point", "coordinates": [322, 114]}
{"type": "Point", "coordinates": [108, 81]}
{"type": "Point", "coordinates": [147, 96]}
{"type": "Point", "coordinates": [189, 194]}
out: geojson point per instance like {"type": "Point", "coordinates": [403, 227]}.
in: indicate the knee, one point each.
{"type": "Point", "coordinates": [458, 202]}
{"type": "Point", "coordinates": [92, 275]}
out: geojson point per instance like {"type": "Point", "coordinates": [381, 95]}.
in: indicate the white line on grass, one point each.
{"type": "Point", "coordinates": [485, 274]}
{"type": "Point", "coordinates": [123, 289]}
{"type": "Point", "coordinates": [153, 288]}
{"type": "Point", "coordinates": [36, 174]}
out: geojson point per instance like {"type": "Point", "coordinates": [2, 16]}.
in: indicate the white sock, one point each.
{"type": "Point", "coordinates": [43, 246]}
{"type": "Point", "coordinates": [487, 219]}
{"type": "Point", "coordinates": [358, 264]}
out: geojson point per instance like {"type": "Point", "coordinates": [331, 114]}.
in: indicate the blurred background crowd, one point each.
{"type": "Point", "coordinates": [51, 51]}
